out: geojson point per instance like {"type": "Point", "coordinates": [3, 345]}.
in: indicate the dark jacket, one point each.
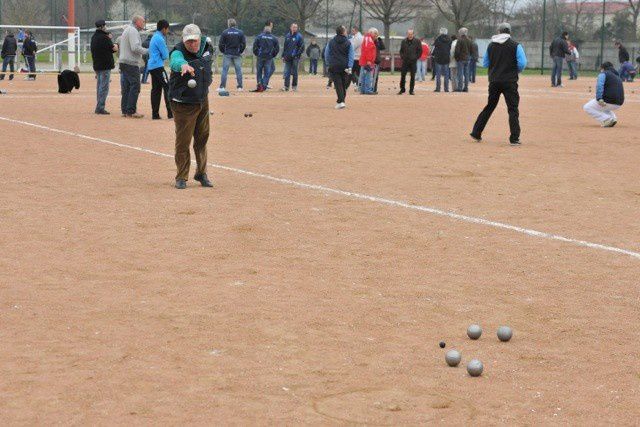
{"type": "Point", "coordinates": [9, 46]}
{"type": "Point", "coordinates": [102, 51]}
{"type": "Point", "coordinates": [442, 49]}
{"type": "Point", "coordinates": [505, 58]}
{"type": "Point", "coordinates": [410, 50]}
{"type": "Point", "coordinates": [379, 48]}
{"type": "Point", "coordinates": [474, 50]}
{"type": "Point", "coordinates": [559, 48]}
{"type": "Point", "coordinates": [232, 42]}
{"type": "Point", "coordinates": [266, 46]}
{"type": "Point", "coordinates": [201, 63]}
{"type": "Point", "coordinates": [463, 49]}
{"type": "Point", "coordinates": [338, 54]}
{"type": "Point", "coordinates": [613, 92]}
{"type": "Point", "coordinates": [293, 46]}
{"type": "Point", "coordinates": [623, 54]}
{"type": "Point", "coordinates": [313, 51]}
{"type": "Point", "coordinates": [29, 47]}
{"type": "Point", "coordinates": [67, 80]}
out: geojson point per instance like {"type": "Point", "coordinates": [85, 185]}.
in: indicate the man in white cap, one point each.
{"type": "Point", "coordinates": [190, 63]}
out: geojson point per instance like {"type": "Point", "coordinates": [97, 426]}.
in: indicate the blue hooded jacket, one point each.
{"type": "Point", "coordinates": [293, 46]}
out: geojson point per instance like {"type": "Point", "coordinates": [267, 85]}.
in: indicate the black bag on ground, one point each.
{"type": "Point", "coordinates": [67, 80]}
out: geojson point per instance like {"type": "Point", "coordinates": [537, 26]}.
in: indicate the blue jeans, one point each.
{"type": "Point", "coordinates": [145, 73]}
{"type": "Point", "coordinates": [263, 71]}
{"type": "Point", "coordinates": [573, 69]}
{"type": "Point", "coordinates": [422, 70]}
{"type": "Point", "coordinates": [313, 66]}
{"type": "Point", "coordinates": [291, 70]}
{"type": "Point", "coordinates": [8, 61]}
{"type": "Point", "coordinates": [130, 88]}
{"type": "Point", "coordinates": [102, 85]}
{"type": "Point", "coordinates": [237, 64]}
{"type": "Point", "coordinates": [442, 70]}
{"type": "Point", "coordinates": [463, 76]}
{"type": "Point", "coordinates": [272, 69]}
{"type": "Point", "coordinates": [366, 80]}
{"type": "Point", "coordinates": [556, 72]}
{"type": "Point", "coordinates": [473, 62]}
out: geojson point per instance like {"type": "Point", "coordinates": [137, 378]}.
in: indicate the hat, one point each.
{"type": "Point", "coordinates": [191, 32]}
{"type": "Point", "coordinates": [100, 23]}
{"type": "Point", "coordinates": [463, 31]}
{"type": "Point", "coordinates": [504, 26]}
{"type": "Point", "coordinates": [444, 31]}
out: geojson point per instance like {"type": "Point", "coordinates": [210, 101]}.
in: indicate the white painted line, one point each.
{"type": "Point", "coordinates": [353, 195]}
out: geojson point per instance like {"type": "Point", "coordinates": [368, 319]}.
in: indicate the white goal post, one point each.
{"type": "Point", "coordinates": [72, 42]}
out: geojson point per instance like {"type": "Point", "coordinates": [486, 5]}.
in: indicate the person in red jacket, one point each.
{"type": "Point", "coordinates": [368, 53]}
{"type": "Point", "coordinates": [422, 62]}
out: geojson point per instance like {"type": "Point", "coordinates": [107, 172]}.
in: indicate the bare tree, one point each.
{"type": "Point", "coordinates": [299, 11]}
{"type": "Point", "coordinates": [635, 12]}
{"type": "Point", "coordinates": [236, 9]}
{"type": "Point", "coordinates": [27, 13]}
{"type": "Point", "coordinates": [460, 12]}
{"type": "Point", "coordinates": [390, 12]}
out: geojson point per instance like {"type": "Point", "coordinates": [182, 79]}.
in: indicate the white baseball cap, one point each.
{"type": "Point", "coordinates": [191, 32]}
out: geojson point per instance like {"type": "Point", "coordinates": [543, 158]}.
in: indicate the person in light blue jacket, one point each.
{"type": "Point", "coordinates": [158, 53]}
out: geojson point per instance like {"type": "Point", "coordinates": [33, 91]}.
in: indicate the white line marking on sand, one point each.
{"type": "Point", "coordinates": [353, 195]}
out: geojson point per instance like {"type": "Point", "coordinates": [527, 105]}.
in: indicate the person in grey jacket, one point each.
{"type": "Point", "coordinates": [130, 59]}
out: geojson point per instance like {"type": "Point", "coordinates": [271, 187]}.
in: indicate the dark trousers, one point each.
{"type": "Point", "coordinates": [192, 122]}
{"type": "Point", "coordinates": [511, 97]}
{"type": "Point", "coordinates": [130, 88]}
{"type": "Point", "coordinates": [411, 68]}
{"type": "Point", "coordinates": [355, 72]}
{"type": "Point", "coordinates": [8, 61]}
{"type": "Point", "coordinates": [31, 65]}
{"type": "Point", "coordinates": [377, 76]}
{"type": "Point", "coordinates": [341, 82]}
{"type": "Point", "coordinates": [313, 66]}
{"type": "Point", "coordinates": [159, 85]}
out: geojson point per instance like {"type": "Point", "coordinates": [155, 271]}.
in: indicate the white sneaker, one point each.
{"type": "Point", "coordinates": [294, 88]}
{"type": "Point", "coordinates": [240, 89]}
{"type": "Point", "coordinates": [340, 106]}
{"type": "Point", "coordinates": [221, 89]}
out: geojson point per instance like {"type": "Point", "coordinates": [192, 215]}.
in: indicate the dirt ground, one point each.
{"type": "Point", "coordinates": [125, 301]}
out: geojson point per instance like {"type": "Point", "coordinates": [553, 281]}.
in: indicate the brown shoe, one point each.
{"type": "Point", "coordinates": [135, 116]}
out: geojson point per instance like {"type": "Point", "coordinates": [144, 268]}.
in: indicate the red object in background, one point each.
{"type": "Point", "coordinates": [71, 21]}
{"type": "Point", "coordinates": [385, 64]}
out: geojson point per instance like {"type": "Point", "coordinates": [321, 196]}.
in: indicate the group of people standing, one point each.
{"type": "Point", "coordinates": [26, 44]}
{"type": "Point", "coordinates": [130, 56]}
{"type": "Point", "coordinates": [455, 59]}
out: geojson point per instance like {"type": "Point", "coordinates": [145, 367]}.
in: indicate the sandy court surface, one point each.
{"type": "Point", "coordinates": [123, 300]}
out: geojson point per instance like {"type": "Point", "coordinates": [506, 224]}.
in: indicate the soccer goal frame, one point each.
{"type": "Point", "coordinates": [72, 42]}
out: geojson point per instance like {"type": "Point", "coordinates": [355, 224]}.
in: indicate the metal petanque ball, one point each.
{"type": "Point", "coordinates": [474, 332]}
{"type": "Point", "coordinates": [504, 333]}
{"type": "Point", "coordinates": [475, 368]}
{"type": "Point", "coordinates": [453, 358]}
{"type": "Point", "coordinates": [192, 83]}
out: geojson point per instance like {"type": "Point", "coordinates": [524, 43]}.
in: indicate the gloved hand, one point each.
{"type": "Point", "coordinates": [602, 103]}
{"type": "Point", "coordinates": [348, 70]}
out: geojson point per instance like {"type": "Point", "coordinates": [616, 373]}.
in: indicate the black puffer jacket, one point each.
{"type": "Point", "coordinates": [410, 50]}
{"type": "Point", "coordinates": [442, 49]}
{"type": "Point", "coordinates": [9, 46]}
{"type": "Point", "coordinates": [102, 51]}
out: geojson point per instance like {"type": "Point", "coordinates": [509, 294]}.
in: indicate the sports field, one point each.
{"type": "Point", "coordinates": [313, 283]}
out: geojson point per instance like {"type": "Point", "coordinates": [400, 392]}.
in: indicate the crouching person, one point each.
{"type": "Point", "coordinates": [609, 96]}
{"type": "Point", "coordinates": [190, 62]}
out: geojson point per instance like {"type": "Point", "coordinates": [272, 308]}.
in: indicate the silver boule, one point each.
{"type": "Point", "coordinates": [475, 368]}
{"type": "Point", "coordinates": [504, 333]}
{"type": "Point", "coordinates": [453, 358]}
{"type": "Point", "coordinates": [474, 332]}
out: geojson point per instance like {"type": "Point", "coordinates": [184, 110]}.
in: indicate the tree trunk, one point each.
{"type": "Point", "coordinates": [387, 34]}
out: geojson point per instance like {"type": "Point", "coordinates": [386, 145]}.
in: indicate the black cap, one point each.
{"type": "Point", "coordinates": [100, 23]}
